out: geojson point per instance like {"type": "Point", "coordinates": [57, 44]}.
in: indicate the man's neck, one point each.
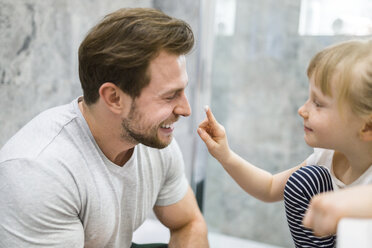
{"type": "Point", "coordinates": [105, 128]}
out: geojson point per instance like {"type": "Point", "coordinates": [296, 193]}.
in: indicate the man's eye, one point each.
{"type": "Point", "coordinates": [171, 97]}
{"type": "Point", "coordinates": [174, 96]}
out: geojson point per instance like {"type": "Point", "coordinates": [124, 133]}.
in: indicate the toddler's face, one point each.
{"type": "Point", "coordinates": [324, 125]}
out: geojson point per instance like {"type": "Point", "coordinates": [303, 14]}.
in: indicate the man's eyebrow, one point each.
{"type": "Point", "coordinates": [175, 90]}
{"type": "Point", "coordinates": [171, 92]}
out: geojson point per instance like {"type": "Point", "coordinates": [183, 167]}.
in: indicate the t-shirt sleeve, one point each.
{"type": "Point", "coordinates": [36, 208]}
{"type": "Point", "coordinates": [175, 184]}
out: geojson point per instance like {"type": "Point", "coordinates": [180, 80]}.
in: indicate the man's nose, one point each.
{"type": "Point", "coordinates": [183, 106]}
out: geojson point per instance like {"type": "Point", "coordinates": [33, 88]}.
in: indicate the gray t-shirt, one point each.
{"type": "Point", "coordinates": [57, 188]}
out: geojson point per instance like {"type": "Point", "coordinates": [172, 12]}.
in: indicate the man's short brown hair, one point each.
{"type": "Point", "coordinates": [120, 48]}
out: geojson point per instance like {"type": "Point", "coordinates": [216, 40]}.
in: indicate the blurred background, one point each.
{"type": "Point", "coordinates": [249, 64]}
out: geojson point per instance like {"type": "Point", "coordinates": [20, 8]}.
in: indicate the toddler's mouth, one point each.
{"type": "Point", "coordinates": [307, 129]}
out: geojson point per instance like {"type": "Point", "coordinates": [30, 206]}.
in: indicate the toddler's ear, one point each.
{"type": "Point", "coordinates": [366, 131]}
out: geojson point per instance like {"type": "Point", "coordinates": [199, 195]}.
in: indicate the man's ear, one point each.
{"type": "Point", "coordinates": [111, 96]}
{"type": "Point", "coordinates": [366, 131]}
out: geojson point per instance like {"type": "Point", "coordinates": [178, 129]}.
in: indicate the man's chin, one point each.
{"type": "Point", "coordinates": [165, 143]}
{"type": "Point", "coordinates": [159, 144]}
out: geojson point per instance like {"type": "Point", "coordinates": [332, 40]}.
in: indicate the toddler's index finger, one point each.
{"type": "Point", "coordinates": [210, 115]}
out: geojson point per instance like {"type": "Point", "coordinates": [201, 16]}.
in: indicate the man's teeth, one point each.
{"type": "Point", "coordinates": [166, 126]}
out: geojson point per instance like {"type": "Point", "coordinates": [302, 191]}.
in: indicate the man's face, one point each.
{"type": "Point", "coordinates": [152, 115]}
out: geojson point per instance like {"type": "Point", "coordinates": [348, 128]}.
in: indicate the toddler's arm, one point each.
{"type": "Point", "coordinates": [255, 181]}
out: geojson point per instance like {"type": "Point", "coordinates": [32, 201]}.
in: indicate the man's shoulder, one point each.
{"type": "Point", "coordinates": [37, 134]}
{"type": "Point", "coordinates": [30, 171]}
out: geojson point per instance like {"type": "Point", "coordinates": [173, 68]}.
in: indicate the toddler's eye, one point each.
{"type": "Point", "coordinates": [317, 104]}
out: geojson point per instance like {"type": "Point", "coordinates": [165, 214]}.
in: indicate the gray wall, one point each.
{"type": "Point", "coordinates": [38, 49]}
{"type": "Point", "coordinates": [258, 82]}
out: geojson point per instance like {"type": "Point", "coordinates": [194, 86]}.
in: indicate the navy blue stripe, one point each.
{"type": "Point", "coordinates": [300, 188]}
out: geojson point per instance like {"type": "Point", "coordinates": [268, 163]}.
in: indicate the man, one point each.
{"type": "Point", "coordinates": [87, 174]}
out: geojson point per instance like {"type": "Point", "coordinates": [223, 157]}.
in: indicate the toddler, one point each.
{"type": "Point", "coordinates": [337, 121]}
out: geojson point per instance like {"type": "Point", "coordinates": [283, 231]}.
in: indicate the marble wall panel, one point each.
{"type": "Point", "coordinates": [38, 49]}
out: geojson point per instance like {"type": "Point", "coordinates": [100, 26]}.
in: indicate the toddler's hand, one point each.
{"type": "Point", "coordinates": [214, 136]}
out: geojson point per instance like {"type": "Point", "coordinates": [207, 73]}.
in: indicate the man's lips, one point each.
{"type": "Point", "coordinates": [168, 125]}
{"type": "Point", "coordinates": [167, 128]}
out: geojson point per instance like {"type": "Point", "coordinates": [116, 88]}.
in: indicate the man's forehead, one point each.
{"type": "Point", "coordinates": [167, 73]}
{"type": "Point", "coordinates": [165, 57]}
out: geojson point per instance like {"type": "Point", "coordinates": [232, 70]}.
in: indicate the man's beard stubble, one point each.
{"type": "Point", "coordinates": [148, 139]}
{"type": "Point", "coordinates": [132, 131]}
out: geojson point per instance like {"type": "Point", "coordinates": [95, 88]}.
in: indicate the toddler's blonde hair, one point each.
{"type": "Point", "coordinates": [349, 64]}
